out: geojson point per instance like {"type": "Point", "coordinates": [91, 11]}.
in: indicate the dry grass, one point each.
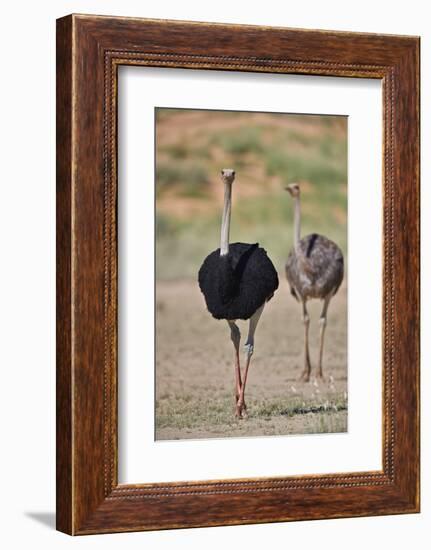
{"type": "Point", "coordinates": [194, 371]}
{"type": "Point", "coordinates": [194, 362]}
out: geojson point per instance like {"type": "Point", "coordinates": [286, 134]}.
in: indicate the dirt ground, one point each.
{"type": "Point", "coordinates": [195, 372]}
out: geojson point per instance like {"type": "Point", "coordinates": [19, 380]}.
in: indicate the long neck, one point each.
{"type": "Point", "coordinates": [225, 223]}
{"type": "Point", "coordinates": [297, 224]}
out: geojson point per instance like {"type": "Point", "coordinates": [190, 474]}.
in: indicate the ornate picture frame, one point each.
{"type": "Point", "coordinates": [89, 51]}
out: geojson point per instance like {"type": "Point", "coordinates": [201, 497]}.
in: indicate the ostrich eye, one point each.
{"type": "Point", "coordinates": [233, 172]}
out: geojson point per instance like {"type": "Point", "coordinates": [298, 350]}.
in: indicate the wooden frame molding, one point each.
{"type": "Point", "coordinates": [89, 51]}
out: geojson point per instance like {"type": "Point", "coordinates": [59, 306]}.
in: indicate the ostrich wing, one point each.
{"type": "Point", "coordinates": [240, 257]}
{"type": "Point", "coordinates": [317, 269]}
{"type": "Point", "coordinates": [231, 269]}
{"type": "Point", "coordinates": [236, 285]}
{"type": "Point", "coordinates": [291, 273]}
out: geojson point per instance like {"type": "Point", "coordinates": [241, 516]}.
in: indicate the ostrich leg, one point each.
{"type": "Point", "coordinates": [249, 345]}
{"type": "Point", "coordinates": [305, 376]}
{"type": "Point", "coordinates": [322, 323]}
{"type": "Point", "coordinates": [235, 336]}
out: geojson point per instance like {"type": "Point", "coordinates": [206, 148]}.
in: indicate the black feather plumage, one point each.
{"type": "Point", "coordinates": [236, 285]}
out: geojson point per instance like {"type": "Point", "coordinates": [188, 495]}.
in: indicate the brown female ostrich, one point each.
{"type": "Point", "coordinates": [237, 280]}
{"type": "Point", "coordinates": [314, 269]}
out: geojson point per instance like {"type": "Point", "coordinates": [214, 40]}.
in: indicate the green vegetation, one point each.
{"type": "Point", "coordinates": [320, 170]}
{"type": "Point", "coordinates": [239, 142]}
{"type": "Point", "coordinates": [187, 412]}
{"type": "Point", "coordinates": [190, 177]}
{"type": "Point", "coordinates": [268, 151]}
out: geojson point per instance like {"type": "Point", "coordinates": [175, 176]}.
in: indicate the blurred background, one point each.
{"type": "Point", "coordinates": [267, 151]}
{"type": "Point", "coordinates": [194, 354]}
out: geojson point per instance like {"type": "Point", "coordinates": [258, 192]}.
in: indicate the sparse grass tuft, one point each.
{"type": "Point", "coordinates": [188, 413]}
{"type": "Point", "coordinates": [318, 170]}
{"type": "Point", "coordinates": [245, 140]}
{"type": "Point", "coordinates": [183, 150]}
{"type": "Point", "coordinates": [297, 406]}
{"type": "Point", "coordinates": [191, 178]}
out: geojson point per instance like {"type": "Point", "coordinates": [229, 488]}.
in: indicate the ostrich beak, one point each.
{"type": "Point", "coordinates": [228, 175]}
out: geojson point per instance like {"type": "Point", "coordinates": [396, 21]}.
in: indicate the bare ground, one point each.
{"type": "Point", "coordinates": [195, 373]}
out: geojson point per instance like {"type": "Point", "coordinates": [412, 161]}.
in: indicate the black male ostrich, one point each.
{"type": "Point", "coordinates": [314, 269]}
{"type": "Point", "coordinates": [237, 280]}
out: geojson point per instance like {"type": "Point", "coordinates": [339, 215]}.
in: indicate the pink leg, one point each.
{"type": "Point", "coordinates": [322, 323]}
{"type": "Point", "coordinates": [235, 336]}
{"type": "Point", "coordinates": [241, 407]}
{"type": "Point", "coordinates": [305, 376]}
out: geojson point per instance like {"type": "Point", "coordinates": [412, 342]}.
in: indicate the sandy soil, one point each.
{"type": "Point", "coordinates": [195, 373]}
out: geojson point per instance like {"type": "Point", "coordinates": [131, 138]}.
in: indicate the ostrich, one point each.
{"type": "Point", "coordinates": [314, 269]}
{"type": "Point", "coordinates": [237, 280]}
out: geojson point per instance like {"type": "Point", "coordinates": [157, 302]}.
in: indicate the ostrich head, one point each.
{"type": "Point", "coordinates": [293, 189]}
{"type": "Point", "coordinates": [227, 175]}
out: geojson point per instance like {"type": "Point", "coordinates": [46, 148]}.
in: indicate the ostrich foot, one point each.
{"type": "Point", "coordinates": [241, 411]}
{"type": "Point", "coordinates": [320, 376]}
{"type": "Point", "coordinates": [305, 376]}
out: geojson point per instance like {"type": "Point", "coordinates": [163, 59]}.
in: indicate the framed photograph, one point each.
{"type": "Point", "coordinates": [237, 274]}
